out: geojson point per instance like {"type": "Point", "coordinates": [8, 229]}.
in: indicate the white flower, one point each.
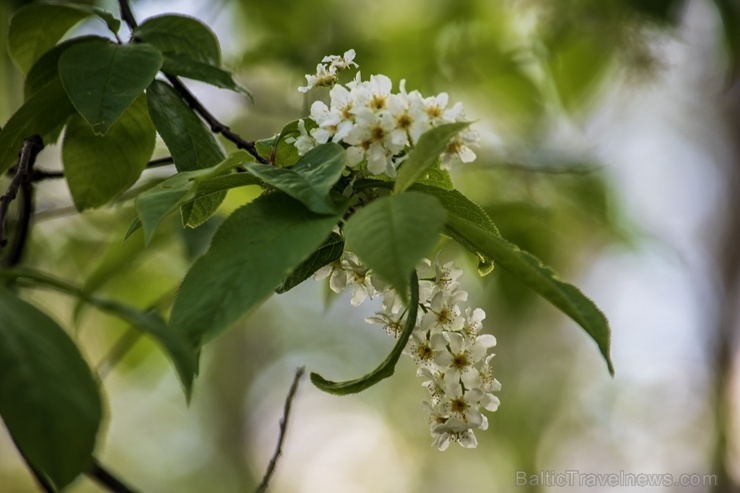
{"type": "Point", "coordinates": [446, 312]}
{"type": "Point", "coordinates": [473, 322]}
{"type": "Point", "coordinates": [348, 271]}
{"type": "Point", "coordinates": [372, 139]}
{"type": "Point", "coordinates": [304, 142]}
{"type": "Point", "coordinates": [463, 404]}
{"type": "Point", "coordinates": [324, 77]}
{"type": "Point", "coordinates": [423, 347]}
{"type": "Point", "coordinates": [341, 62]}
{"type": "Point", "coordinates": [458, 150]}
{"type": "Point", "coordinates": [391, 322]}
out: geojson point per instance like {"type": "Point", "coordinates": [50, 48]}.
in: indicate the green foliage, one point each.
{"type": "Point", "coordinates": [102, 79]}
{"type": "Point", "coordinates": [310, 180]}
{"type": "Point", "coordinates": [180, 35]}
{"type": "Point", "coordinates": [183, 65]}
{"type": "Point", "coordinates": [43, 114]}
{"type": "Point", "coordinates": [157, 202]}
{"type": "Point", "coordinates": [329, 251]}
{"type": "Point", "coordinates": [388, 366]}
{"type": "Point", "coordinates": [189, 141]}
{"type": "Point", "coordinates": [393, 234]}
{"type": "Point", "coordinates": [280, 147]}
{"type": "Point", "coordinates": [49, 399]}
{"type": "Point", "coordinates": [106, 94]}
{"type": "Point", "coordinates": [35, 29]}
{"type": "Point", "coordinates": [528, 269]}
{"type": "Point", "coordinates": [98, 168]}
{"type": "Point", "coordinates": [251, 253]}
{"type": "Point", "coordinates": [148, 322]}
{"type": "Point", "coordinates": [730, 13]}
{"type": "Point", "coordinates": [425, 154]}
{"type": "Point", "coordinates": [46, 68]}
{"type": "Point", "coordinates": [185, 188]}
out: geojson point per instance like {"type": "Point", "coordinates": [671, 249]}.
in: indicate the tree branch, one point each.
{"type": "Point", "coordinates": [215, 125]}
{"type": "Point", "coordinates": [283, 428]}
{"type": "Point", "coordinates": [41, 175]}
{"type": "Point", "coordinates": [21, 181]}
{"type": "Point", "coordinates": [107, 479]}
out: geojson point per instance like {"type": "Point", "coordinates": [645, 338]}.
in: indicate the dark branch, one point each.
{"type": "Point", "coordinates": [21, 181]}
{"type": "Point", "coordinates": [41, 175]}
{"type": "Point", "coordinates": [215, 125]}
{"type": "Point", "coordinates": [283, 428]}
{"type": "Point", "coordinates": [127, 15]}
{"type": "Point", "coordinates": [187, 96]}
{"type": "Point", "coordinates": [107, 479]}
{"type": "Point", "coordinates": [163, 161]}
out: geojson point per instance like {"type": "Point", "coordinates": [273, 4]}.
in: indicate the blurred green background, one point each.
{"type": "Point", "coordinates": [607, 149]}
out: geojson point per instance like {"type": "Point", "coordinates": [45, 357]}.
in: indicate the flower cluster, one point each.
{"type": "Point", "coordinates": [326, 71]}
{"type": "Point", "coordinates": [376, 125]}
{"type": "Point", "coordinates": [446, 344]}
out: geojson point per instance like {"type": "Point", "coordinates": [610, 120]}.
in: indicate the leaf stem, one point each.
{"type": "Point", "coordinates": [107, 479]}
{"type": "Point", "coordinates": [387, 367]}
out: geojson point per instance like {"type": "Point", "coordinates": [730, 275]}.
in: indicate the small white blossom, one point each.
{"type": "Point", "coordinates": [341, 62]}
{"type": "Point", "coordinates": [323, 77]}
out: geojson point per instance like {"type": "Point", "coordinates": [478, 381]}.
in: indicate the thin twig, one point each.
{"type": "Point", "coordinates": [283, 428]}
{"type": "Point", "coordinates": [107, 479]}
{"type": "Point", "coordinates": [41, 174]}
{"type": "Point", "coordinates": [215, 125]}
{"type": "Point", "coordinates": [31, 148]}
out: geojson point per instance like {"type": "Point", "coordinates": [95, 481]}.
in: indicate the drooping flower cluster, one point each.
{"type": "Point", "coordinates": [377, 126]}
{"type": "Point", "coordinates": [446, 344]}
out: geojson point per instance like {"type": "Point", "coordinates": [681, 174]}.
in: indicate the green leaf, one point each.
{"type": "Point", "coordinates": [98, 168]}
{"type": "Point", "coordinates": [729, 12]}
{"type": "Point", "coordinates": [528, 269]}
{"type": "Point", "coordinates": [280, 147]}
{"type": "Point", "coordinates": [253, 250]}
{"type": "Point", "coordinates": [437, 177]}
{"type": "Point", "coordinates": [35, 29]}
{"type": "Point", "coordinates": [190, 142]}
{"type": "Point", "coordinates": [151, 323]}
{"type": "Point", "coordinates": [456, 204]}
{"type": "Point", "coordinates": [426, 153]}
{"type": "Point", "coordinates": [198, 211]}
{"type": "Point", "coordinates": [392, 234]}
{"type": "Point", "coordinates": [49, 399]}
{"type": "Point", "coordinates": [43, 114]}
{"type": "Point", "coordinates": [179, 352]}
{"type": "Point", "coordinates": [226, 182]}
{"type": "Point", "coordinates": [388, 366]}
{"type": "Point", "coordinates": [102, 79]}
{"type": "Point", "coordinates": [46, 68]}
{"type": "Point", "coordinates": [329, 251]}
{"type": "Point", "coordinates": [157, 202]}
{"type": "Point", "coordinates": [190, 68]}
{"type": "Point", "coordinates": [181, 189]}
{"type": "Point", "coordinates": [180, 35]}
{"type": "Point", "coordinates": [311, 179]}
